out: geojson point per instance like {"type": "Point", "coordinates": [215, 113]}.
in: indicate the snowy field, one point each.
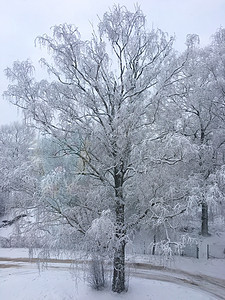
{"type": "Point", "coordinates": [28, 284]}
{"type": "Point", "coordinates": [22, 281]}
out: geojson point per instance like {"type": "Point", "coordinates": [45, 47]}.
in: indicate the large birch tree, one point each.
{"type": "Point", "coordinates": [102, 103]}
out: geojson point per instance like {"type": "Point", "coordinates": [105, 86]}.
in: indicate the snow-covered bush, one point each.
{"type": "Point", "coordinates": [96, 277]}
{"type": "Point", "coordinates": [100, 236]}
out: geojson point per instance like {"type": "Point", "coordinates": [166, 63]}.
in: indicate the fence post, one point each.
{"type": "Point", "coordinates": [197, 253]}
{"type": "Point", "coordinates": [207, 251]}
{"type": "Point", "coordinates": [154, 245]}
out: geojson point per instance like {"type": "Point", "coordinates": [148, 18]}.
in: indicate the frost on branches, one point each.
{"type": "Point", "coordinates": [110, 109]}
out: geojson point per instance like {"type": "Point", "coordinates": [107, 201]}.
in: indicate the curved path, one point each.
{"type": "Point", "coordinates": [213, 286]}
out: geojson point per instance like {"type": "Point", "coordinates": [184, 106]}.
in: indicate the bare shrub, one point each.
{"type": "Point", "coordinates": [97, 274]}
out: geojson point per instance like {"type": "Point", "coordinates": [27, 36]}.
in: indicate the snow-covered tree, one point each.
{"type": "Point", "coordinates": [102, 107]}
{"type": "Point", "coordinates": [16, 172]}
{"type": "Point", "coordinates": [18, 178]}
{"type": "Point", "coordinates": [201, 105]}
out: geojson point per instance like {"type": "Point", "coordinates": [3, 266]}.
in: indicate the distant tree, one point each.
{"type": "Point", "coordinates": [107, 91]}
{"type": "Point", "coordinates": [18, 181]}
{"type": "Point", "coordinates": [202, 120]}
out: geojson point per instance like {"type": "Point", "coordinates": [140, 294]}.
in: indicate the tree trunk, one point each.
{"type": "Point", "coordinates": [204, 229]}
{"type": "Point", "coordinates": [118, 283]}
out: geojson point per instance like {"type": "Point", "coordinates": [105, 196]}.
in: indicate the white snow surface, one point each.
{"type": "Point", "coordinates": [210, 267]}
{"type": "Point", "coordinates": [23, 280]}
{"type": "Point", "coordinates": [29, 284]}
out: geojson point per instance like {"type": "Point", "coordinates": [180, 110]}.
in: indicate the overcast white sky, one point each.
{"type": "Point", "coordinates": [22, 20]}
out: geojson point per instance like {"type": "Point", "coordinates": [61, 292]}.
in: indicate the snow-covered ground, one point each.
{"type": "Point", "coordinates": [150, 277]}
{"type": "Point", "coordinates": [24, 283]}
{"type": "Point", "coordinates": [210, 267]}
{"type": "Point", "coordinates": [181, 279]}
